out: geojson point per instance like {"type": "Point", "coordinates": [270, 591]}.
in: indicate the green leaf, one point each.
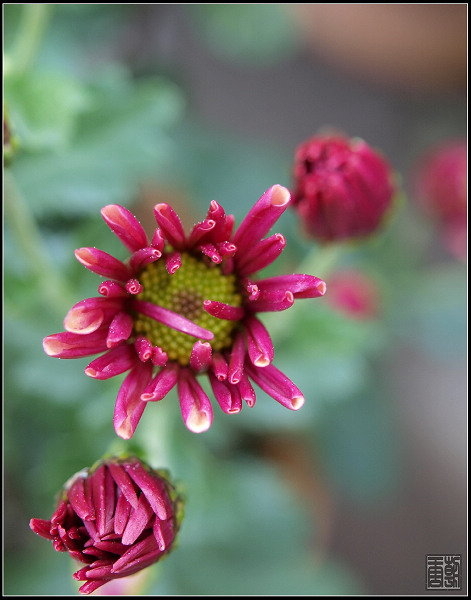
{"type": "Point", "coordinates": [44, 108]}
{"type": "Point", "coordinates": [121, 142]}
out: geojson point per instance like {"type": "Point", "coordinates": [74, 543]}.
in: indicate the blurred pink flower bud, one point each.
{"type": "Point", "coordinates": [342, 188]}
{"type": "Point", "coordinates": [354, 294]}
{"type": "Point", "coordinates": [440, 182]}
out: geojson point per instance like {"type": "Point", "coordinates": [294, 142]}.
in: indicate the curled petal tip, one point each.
{"type": "Point", "coordinates": [322, 288]}
{"type": "Point", "coordinates": [198, 421]}
{"type": "Point", "coordinates": [297, 402]}
{"type": "Point", "coordinates": [52, 347]}
{"type": "Point", "coordinates": [262, 361]}
{"type": "Point", "coordinates": [280, 196]}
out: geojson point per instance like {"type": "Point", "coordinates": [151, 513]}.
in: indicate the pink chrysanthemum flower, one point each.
{"type": "Point", "coordinates": [117, 518]}
{"type": "Point", "coordinates": [183, 306]}
{"type": "Point", "coordinates": [342, 188]}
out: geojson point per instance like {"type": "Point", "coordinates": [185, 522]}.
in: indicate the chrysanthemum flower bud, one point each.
{"type": "Point", "coordinates": [441, 191]}
{"type": "Point", "coordinates": [117, 518]}
{"type": "Point", "coordinates": [342, 188]}
{"type": "Point", "coordinates": [354, 294]}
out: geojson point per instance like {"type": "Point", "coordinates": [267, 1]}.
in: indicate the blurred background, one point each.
{"type": "Point", "coordinates": [146, 103]}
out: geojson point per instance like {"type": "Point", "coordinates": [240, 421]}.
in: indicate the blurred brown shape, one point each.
{"type": "Point", "coordinates": [421, 47]}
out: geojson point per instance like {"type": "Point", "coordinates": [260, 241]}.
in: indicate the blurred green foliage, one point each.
{"type": "Point", "coordinates": [91, 132]}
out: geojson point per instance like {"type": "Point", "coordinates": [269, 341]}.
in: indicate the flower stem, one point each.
{"type": "Point", "coordinates": [33, 23]}
{"type": "Point", "coordinates": [320, 260]}
{"type": "Point", "coordinates": [30, 241]}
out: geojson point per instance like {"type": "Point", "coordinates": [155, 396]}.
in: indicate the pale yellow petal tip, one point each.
{"type": "Point", "coordinates": [322, 288]}
{"type": "Point", "coordinates": [262, 361]}
{"type": "Point", "coordinates": [83, 322]}
{"type": "Point", "coordinates": [198, 421]}
{"type": "Point", "coordinates": [108, 209]}
{"type": "Point", "coordinates": [297, 402]}
{"type": "Point", "coordinates": [91, 372]}
{"type": "Point", "coordinates": [124, 431]}
{"type": "Point", "coordinates": [52, 347]}
{"type": "Point", "coordinates": [280, 196]}
{"type": "Point", "coordinates": [160, 207]}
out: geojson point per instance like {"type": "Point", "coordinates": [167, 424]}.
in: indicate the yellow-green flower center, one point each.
{"type": "Point", "coordinates": [184, 293]}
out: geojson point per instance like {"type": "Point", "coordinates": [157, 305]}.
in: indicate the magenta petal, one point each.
{"type": "Point", "coordinates": [227, 395]}
{"type": "Point", "coordinates": [41, 527]}
{"type": "Point", "coordinates": [120, 329]}
{"type": "Point", "coordinates": [88, 315]}
{"type": "Point", "coordinates": [159, 536]}
{"type": "Point", "coordinates": [259, 344]}
{"type": "Point", "coordinates": [78, 500]}
{"type": "Point", "coordinates": [162, 383]}
{"type": "Point", "coordinates": [114, 362]}
{"type": "Point", "coordinates": [170, 224]}
{"type": "Point", "coordinates": [112, 289]}
{"type": "Point", "coordinates": [220, 366]}
{"type": "Point", "coordinates": [124, 483]}
{"type": "Point", "coordinates": [251, 288]}
{"type": "Point", "coordinates": [158, 240]}
{"type": "Point", "coordinates": [125, 226]}
{"type": "Point", "coordinates": [103, 264]}
{"type": "Point", "coordinates": [209, 250]}
{"type": "Point", "coordinates": [226, 249]}
{"type": "Point", "coordinates": [236, 360]}
{"type": "Point", "coordinates": [171, 319]}
{"type": "Point", "coordinates": [274, 301]}
{"type": "Point", "coordinates": [149, 487]}
{"type": "Point", "coordinates": [129, 407]}
{"type": "Point", "coordinates": [59, 514]}
{"type": "Point", "coordinates": [91, 586]}
{"type": "Point", "coordinates": [121, 516]}
{"type": "Point", "coordinates": [173, 262]}
{"type": "Point", "coordinates": [99, 498]}
{"type": "Point", "coordinates": [200, 231]}
{"type": "Point", "coordinates": [133, 287]}
{"type": "Point", "coordinates": [74, 345]}
{"type": "Point", "coordinates": [277, 385]}
{"type": "Point", "coordinates": [223, 223]}
{"type": "Point", "coordinates": [246, 390]}
{"type": "Point", "coordinates": [143, 348]}
{"type": "Point", "coordinates": [221, 310]}
{"type": "Point", "coordinates": [301, 286]}
{"type": "Point", "coordinates": [200, 358]}
{"type": "Point", "coordinates": [143, 257]}
{"type": "Point", "coordinates": [195, 406]}
{"type": "Point", "coordinates": [261, 217]}
{"type": "Point", "coordinates": [137, 521]}
{"type": "Point", "coordinates": [159, 357]}
{"type": "Point", "coordinates": [260, 255]}
{"type": "Point", "coordinates": [135, 553]}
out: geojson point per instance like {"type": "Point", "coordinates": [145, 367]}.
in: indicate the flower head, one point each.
{"type": "Point", "coordinates": [441, 191]}
{"type": "Point", "coordinates": [342, 188]}
{"type": "Point", "coordinates": [117, 518]}
{"type": "Point", "coordinates": [183, 306]}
